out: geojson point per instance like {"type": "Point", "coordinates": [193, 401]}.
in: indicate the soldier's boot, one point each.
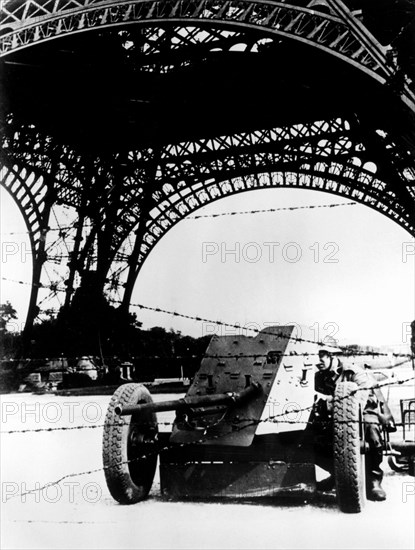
{"type": "Point", "coordinates": [374, 473]}
{"type": "Point", "coordinates": [375, 490]}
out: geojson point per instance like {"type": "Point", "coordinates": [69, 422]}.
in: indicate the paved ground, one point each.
{"type": "Point", "coordinates": [80, 513]}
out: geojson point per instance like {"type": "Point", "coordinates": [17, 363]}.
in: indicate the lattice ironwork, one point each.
{"type": "Point", "coordinates": [30, 22]}
{"type": "Point", "coordinates": [34, 197]}
{"type": "Point", "coordinates": [148, 191]}
{"type": "Point", "coordinates": [320, 155]}
{"type": "Point", "coordinates": [29, 192]}
{"type": "Point", "coordinates": [124, 199]}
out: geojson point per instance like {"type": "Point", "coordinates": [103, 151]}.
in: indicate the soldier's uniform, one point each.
{"type": "Point", "coordinates": [325, 382]}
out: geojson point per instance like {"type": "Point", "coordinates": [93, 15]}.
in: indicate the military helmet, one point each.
{"type": "Point", "coordinates": [329, 350]}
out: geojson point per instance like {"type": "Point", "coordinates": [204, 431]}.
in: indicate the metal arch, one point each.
{"type": "Point", "coordinates": [25, 145]}
{"type": "Point", "coordinates": [34, 201]}
{"type": "Point", "coordinates": [291, 147]}
{"type": "Point", "coordinates": [196, 161]}
{"type": "Point", "coordinates": [323, 160]}
{"type": "Point", "coordinates": [76, 183]}
{"type": "Point", "coordinates": [350, 182]}
{"type": "Point", "coordinates": [31, 204]}
{"type": "Point", "coordinates": [34, 22]}
{"type": "Point", "coordinates": [179, 178]}
{"type": "Point", "coordinates": [56, 180]}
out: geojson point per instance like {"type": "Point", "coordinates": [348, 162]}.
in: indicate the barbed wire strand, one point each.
{"type": "Point", "coordinates": [70, 360]}
{"type": "Point", "coordinates": [268, 210]}
{"type": "Point", "coordinates": [52, 286]}
{"type": "Point", "coordinates": [259, 331]}
{"type": "Point", "coordinates": [234, 429]}
{"type": "Point", "coordinates": [230, 325]}
{"type": "Point", "coordinates": [260, 211]}
{"type": "Point", "coordinates": [234, 325]}
{"type": "Point", "coordinates": [225, 421]}
{"type": "Point", "coordinates": [95, 426]}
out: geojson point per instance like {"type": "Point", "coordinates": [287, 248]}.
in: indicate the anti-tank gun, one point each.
{"type": "Point", "coordinates": [243, 430]}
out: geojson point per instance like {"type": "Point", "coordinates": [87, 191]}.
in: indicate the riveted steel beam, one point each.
{"type": "Point", "coordinates": [27, 23]}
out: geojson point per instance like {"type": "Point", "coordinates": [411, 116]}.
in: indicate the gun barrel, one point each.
{"type": "Point", "coordinates": [229, 399]}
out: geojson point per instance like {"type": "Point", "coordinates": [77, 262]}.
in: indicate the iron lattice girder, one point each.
{"type": "Point", "coordinates": [194, 174]}
{"type": "Point", "coordinates": [182, 43]}
{"type": "Point", "coordinates": [147, 192]}
{"type": "Point", "coordinates": [343, 179]}
{"type": "Point", "coordinates": [309, 148]}
{"type": "Point", "coordinates": [340, 178]}
{"type": "Point", "coordinates": [27, 22]}
{"type": "Point", "coordinates": [25, 147]}
{"type": "Point", "coordinates": [30, 194]}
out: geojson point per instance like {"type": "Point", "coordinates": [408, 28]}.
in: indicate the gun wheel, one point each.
{"type": "Point", "coordinates": [129, 446]}
{"type": "Point", "coordinates": [349, 442]}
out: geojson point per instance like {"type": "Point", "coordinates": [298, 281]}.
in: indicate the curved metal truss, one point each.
{"type": "Point", "coordinates": [33, 194]}
{"type": "Point", "coordinates": [30, 193]}
{"type": "Point", "coordinates": [339, 33]}
{"type": "Point", "coordinates": [123, 205]}
{"type": "Point", "coordinates": [322, 155]}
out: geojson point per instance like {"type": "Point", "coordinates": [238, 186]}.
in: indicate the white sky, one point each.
{"type": "Point", "coordinates": [367, 296]}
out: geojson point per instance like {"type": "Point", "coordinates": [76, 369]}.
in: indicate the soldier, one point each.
{"type": "Point", "coordinates": [331, 371]}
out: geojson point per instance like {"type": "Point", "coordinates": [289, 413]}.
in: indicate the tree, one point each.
{"type": "Point", "coordinates": [7, 337]}
{"type": "Point", "coordinates": [7, 313]}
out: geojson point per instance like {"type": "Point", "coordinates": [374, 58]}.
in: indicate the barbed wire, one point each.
{"type": "Point", "coordinates": [293, 353]}
{"type": "Point", "coordinates": [62, 228]}
{"type": "Point", "coordinates": [69, 428]}
{"type": "Point", "coordinates": [51, 286]}
{"type": "Point", "coordinates": [165, 423]}
{"type": "Point", "coordinates": [70, 360]}
{"type": "Point", "coordinates": [61, 522]}
{"type": "Point", "coordinates": [345, 349]}
{"type": "Point", "coordinates": [259, 211]}
{"type": "Point", "coordinates": [268, 333]}
{"type": "Point", "coordinates": [253, 422]}
{"type": "Point", "coordinates": [268, 210]}
{"type": "Point", "coordinates": [224, 421]}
